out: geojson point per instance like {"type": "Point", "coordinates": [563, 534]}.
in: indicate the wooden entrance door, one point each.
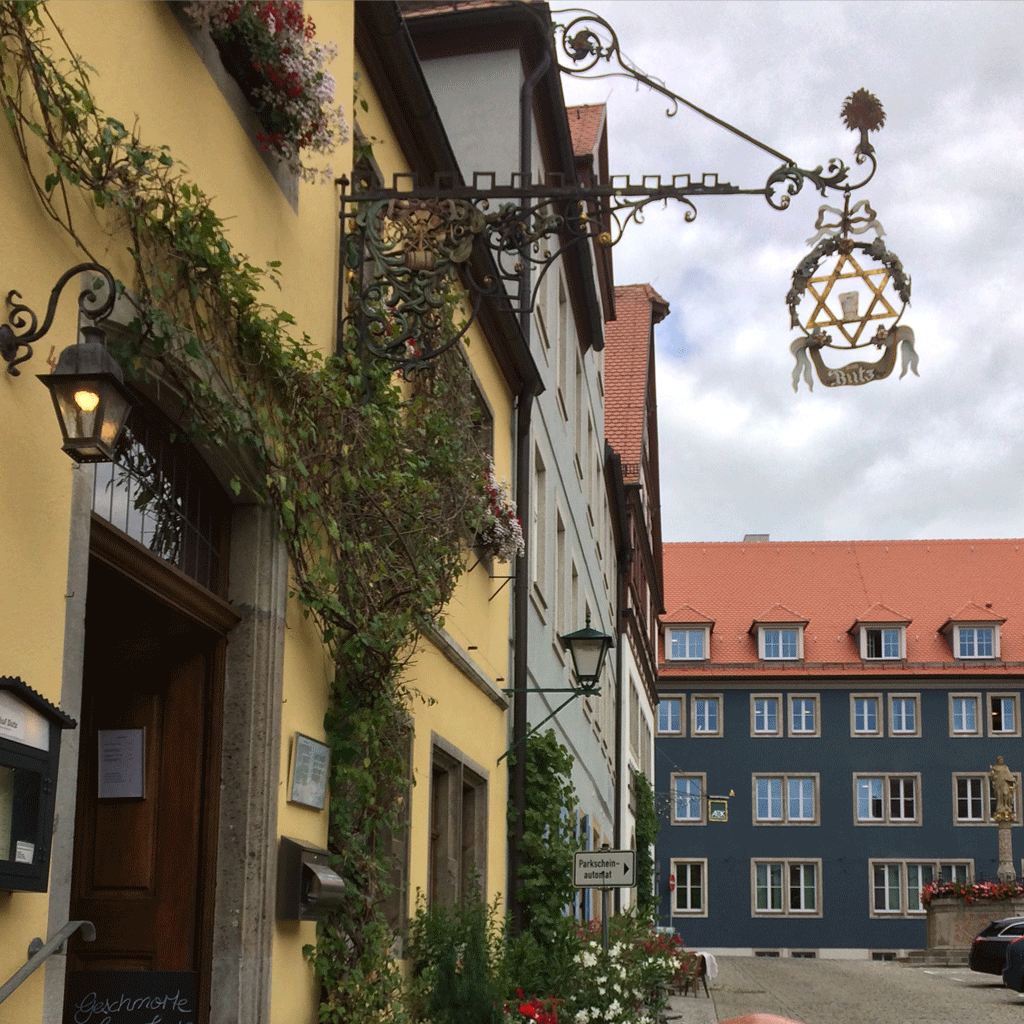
{"type": "Point", "coordinates": [140, 863]}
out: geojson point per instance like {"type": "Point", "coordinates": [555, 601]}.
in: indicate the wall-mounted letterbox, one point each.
{"type": "Point", "coordinates": [30, 728]}
{"type": "Point", "coordinates": [307, 887]}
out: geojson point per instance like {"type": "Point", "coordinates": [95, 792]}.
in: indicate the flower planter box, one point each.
{"type": "Point", "coordinates": [238, 64]}
{"type": "Point", "coordinates": [952, 922]}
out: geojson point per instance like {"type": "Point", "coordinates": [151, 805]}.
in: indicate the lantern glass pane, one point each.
{"type": "Point", "coordinates": [586, 656]}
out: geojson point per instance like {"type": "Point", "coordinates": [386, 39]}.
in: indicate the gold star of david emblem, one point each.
{"type": "Point", "coordinates": [850, 326]}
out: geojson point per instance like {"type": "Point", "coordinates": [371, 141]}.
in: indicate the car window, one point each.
{"type": "Point", "coordinates": [1014, 929]}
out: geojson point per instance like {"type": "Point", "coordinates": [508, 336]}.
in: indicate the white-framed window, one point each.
{"type": "Point", "coordinates": [689, 806]}
{"type": "Point", "coordinates": [969, 799]}
{"type": "Point", "coordinates": [803, 715]}
{"type": "Point", "coordinates": [896, 886]}
{"type": "Point", "coordinates": [780, 643]}
{"type": "Point", "coordinates": [706, 714]}
{"type": "Point", "coordinates": [686, 643]}
{"type": "Point", "coordinates": [766, 714]}
{"type": "Point", "coordinates": [866, 717]}
{"type": "Point", "coordinates": [1003, 714]}
{"type": "Point", "coordinates": [965, 714]}
{"type": "Point", "coordinates": [881, 643]}
{"type": "Point", "coordinates": [887, 799]}
{"type": "Point", "coordinates": [785, 799]}
{"type": "Point", "coordinates": [974, 803]}
{"type": "Point", "coordinates": [904, 714]}
{"type": "Point", "coordinates": [918, 876]}
{"type": "Point", "coordinates": [785, 887]}
{"type": "Point", "coordinates": [690, 895]}
{"type": "Point", "coordinates": [976, 641]}
{"type": "Point", "coordinates": [670, 716]}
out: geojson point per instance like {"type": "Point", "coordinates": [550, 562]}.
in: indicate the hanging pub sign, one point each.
{"type": "Point", "coordinates": [30, 728]}
{"type": "Point", "coordinates": [856, 289]}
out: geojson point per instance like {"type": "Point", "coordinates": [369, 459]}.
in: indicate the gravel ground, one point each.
{"type": "Point", "coordinates": [849, 992]}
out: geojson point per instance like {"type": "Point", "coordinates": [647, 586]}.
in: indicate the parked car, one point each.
{"type": "Point", "coordinates": [988, 950]}
{"type": "Point", "coordinates": [1013, 971]}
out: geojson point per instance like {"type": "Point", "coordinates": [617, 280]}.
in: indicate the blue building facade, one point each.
{"type": "Point", "coordinates": [822, 757]}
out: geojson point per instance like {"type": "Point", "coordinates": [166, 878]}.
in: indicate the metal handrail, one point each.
{"type": "Point", "coordinates": [38, 953]}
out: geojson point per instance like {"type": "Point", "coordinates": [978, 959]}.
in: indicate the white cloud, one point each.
{"type": "Point", "coordinates": [934, 456]}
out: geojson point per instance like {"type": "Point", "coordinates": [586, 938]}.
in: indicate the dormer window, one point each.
{"type": "Point", "coordinates": [881, 634]}
{"type": "Point", "coordinates": [974, 641]}
{"type": "Point", "coordinates": [881, 642]}
{"type": "Point", "coordinates": [780, 634]}
{"type": "Point", "coordinates": [686, 643]}
{"type": "Point", "coordinates": [783, 643]}
{"type": "Point", "coordinates": [973, 632]}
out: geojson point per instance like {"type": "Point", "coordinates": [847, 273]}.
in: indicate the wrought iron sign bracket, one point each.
{"type": "Point", "coordinates": [575, 692]}
{"type": "Point", "coordinates": [406, 248]}
{"type": "Point", "coordinates": [22, 318]}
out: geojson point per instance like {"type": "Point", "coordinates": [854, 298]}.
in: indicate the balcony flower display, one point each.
{"type": "Point", "coordinates": [499, 534]}
{"type": "Point", "coordinates": [270, 49]}
{"type": "Point", "coordinates": [972, 892]}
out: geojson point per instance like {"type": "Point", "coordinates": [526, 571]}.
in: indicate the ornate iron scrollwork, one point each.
{"type": "Point", "coordinates": [21, 316]}
{"type": "Point", "coordinates": [405, 246]}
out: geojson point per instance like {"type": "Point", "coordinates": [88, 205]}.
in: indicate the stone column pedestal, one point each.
{"type": "Point", "coordinates": [1007, 872]}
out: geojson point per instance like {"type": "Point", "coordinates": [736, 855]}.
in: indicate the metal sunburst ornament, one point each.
{"type": "Point", "coordinates": [854, 271]}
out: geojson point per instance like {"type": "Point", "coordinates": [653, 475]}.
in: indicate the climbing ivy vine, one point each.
{"type": "Point", "coordinates": [647, 827]}
{"type": "Point", "coordinates": [375, 485]}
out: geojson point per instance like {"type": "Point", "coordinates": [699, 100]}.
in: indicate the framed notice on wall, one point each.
{"type": "Point", "coordinates": [310, 761]}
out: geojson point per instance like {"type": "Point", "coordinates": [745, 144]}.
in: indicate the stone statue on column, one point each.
{"type": "Point", "coordinates": [1004, 789]}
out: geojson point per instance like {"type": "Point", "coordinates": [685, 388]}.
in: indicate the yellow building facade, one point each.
{"type": "Point", "coordinates": [190, 668]}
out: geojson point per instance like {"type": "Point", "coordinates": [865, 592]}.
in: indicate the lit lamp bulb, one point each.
{"type": "Point", "coordinates": [87, 400]}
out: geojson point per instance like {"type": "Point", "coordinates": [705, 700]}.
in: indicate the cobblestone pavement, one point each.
{"type": "Point", "coordinates": [849, 992]}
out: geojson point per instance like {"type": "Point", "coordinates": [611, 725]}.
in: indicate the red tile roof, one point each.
{"type": "Point", "coordinates": [880, 613]}
{"type": "Point", "coordinates": [585, 124]}
{"type": "Point", "coordinates": [687, 615]}
{"type": "Point", "coordinates": [628, 356]}
{"type": "Point", "coordinates": [834, 585]}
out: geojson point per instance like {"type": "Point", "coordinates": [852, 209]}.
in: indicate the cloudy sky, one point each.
{"type": "Point", "coordinates": [940, 455]}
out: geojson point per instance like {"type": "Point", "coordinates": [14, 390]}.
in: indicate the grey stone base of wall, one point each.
{"type": "Point", "coordinates": [935, 958]}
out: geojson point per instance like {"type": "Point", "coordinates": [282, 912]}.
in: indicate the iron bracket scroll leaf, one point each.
{"type": "Point", "coordinates": [21, 317]}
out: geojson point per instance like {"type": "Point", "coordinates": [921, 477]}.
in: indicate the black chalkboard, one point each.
{"type": "Point", "coordinates": [131, 997]}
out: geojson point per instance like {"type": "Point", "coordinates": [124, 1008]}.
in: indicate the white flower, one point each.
{"type": "Point", "coordinates": [615, 1009]}
{"type": "Point", "coordinates": [587, 959]}
{"type": "Point", "coordinates": [582, 1017]}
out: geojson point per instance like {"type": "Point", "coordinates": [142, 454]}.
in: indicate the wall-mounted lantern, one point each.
{"type": "Point", "coordinates": [30, 728]}
{"type": "Point", "coordinates": [588, 648]}
{"type": "Point", "coordinates": [87, 385]}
